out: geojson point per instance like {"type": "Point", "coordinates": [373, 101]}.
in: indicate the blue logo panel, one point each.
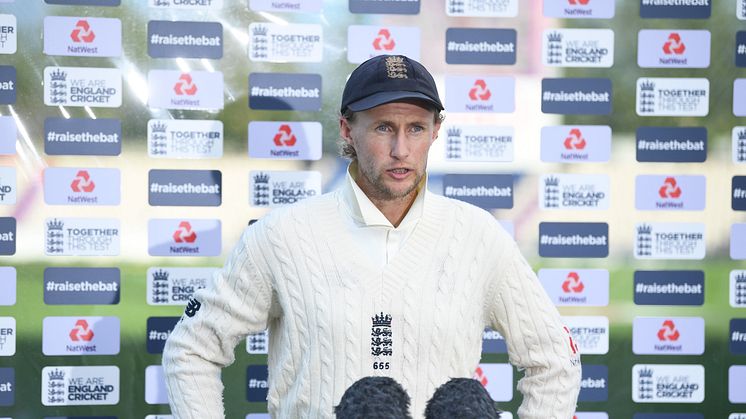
{"type": "Point", "coordinates": [484, 191]}
{"type": "Point", "coordinates": [7, 85]}
{"type": "Point", "coordinates": [576, 96]}
{"type": "Point", "coordinates": [7, 386]}
{"type": "Point", "coordinates": [480, 46]}
{"type": "Point", "coordinates": [82, 137]}
{"type": "Point", "coordinates": [738, 193]}
{"type": "Point", "coordinates": [493, 343]}
{"type": "Point", "coordinates": [672, 144]}
{"type": "Point", "coordinates": [85, 2]}
{"type": "Point", "coordinates": [285, 92]}
{"type": "Point", "coordinates": [80, 417]}
{"type": "Point", "coordinates": [159, 328]}
{"type": "Point", "coordinates": [594, 383]}
{"type": "Point", "coordinates": [168, 39]}
{"type": "Point", "coordinates": [201, 188]}
{"type": "Point", "coordinates": [81, 286]}
{"type": "Point", "coordinates": [573, 240]}
{"type": "Point", "coordinates": [741, 49]}
{"type": "Point", "coordinates": [656, 9]}
{"type": "Point", "coordinates": [738, 336]}
{"type": "Point", "coordinates": [7, 236]}
{"type": "Point", "coordinates": [399, 7]}
{"type": "Point", "coordinates": [256, 383]}
{"type": "Point", "coordinates": [669, 288]}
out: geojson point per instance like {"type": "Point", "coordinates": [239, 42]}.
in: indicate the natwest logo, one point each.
{"type": "Point", "coordinates": [666, 48]}
{"type": "Point", "coordinates": [82, 182]}
{"type": "Point", "coordinates": [480, 94]}
{"type": "Point", "coordinates": [185, 85]}
{"type": "Point", "coordinates": [575, 140]}
{"type": "Point", "coordinates": [82, 40]}
{"type": "Point", "coordinates": [180, 237]}
{"type": "Point", "coordinates": [174, 89]}
{"type": "Point", "coordinates": [384, 41]}
{"type": "Point", "coordinates": [285, 140]}
{"type": "Point", "coordinates": [668, 332]}
{"type": "Point", "coordinates": [674, 45]}
{"type": "Point", "coordinates": [82, 32]}
{"type": "Point", "coordinates": [480, 91]}
{"type": "Point", "coordinates": [74, 336]}
{"type": "Point", "coordinates": [669, 189]}
{"type": "Point", "coordinates": [583, 9]}
{"type": "Point", "coordinates": [285, 136]}
{"type": "Point", "coordinates": [367, 41]}
{"type": "Point", "coordinates": [575, 143]}
{"type": "Point", "coordinates": [576, 287]}
{"type": "Point", "coordinates": [679, 192]}
{"type": "Point", "coordinates": [184, 233]}
{"type": "Point", "coordinates": [668, 335]}
{"type": "Point", "coordinates": [81, 332]}
{"type": "Point", "coordinates": [572, 284]}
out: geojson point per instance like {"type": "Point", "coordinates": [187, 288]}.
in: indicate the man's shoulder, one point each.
{"type": "Point", "coordinates": [472, 212]}
{"type": "Point", "coordinates": [471, 216]}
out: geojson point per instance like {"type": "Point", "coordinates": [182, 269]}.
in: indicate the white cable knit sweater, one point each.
{"type": "Point", "coordinates": [300, 272]}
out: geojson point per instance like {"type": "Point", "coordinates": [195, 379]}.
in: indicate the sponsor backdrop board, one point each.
{"type": "Point", "coordinates": [185, 139]}
{"type": "Point", "coordinates": [9, 31]}
{"type": "Point", "coordinates": [8, 282]}
{"type": "Point", "coordinates": [81, 286]}
{"type": "Point", "coordinates": [82, 137]}
{"type": "Point", "coordinates": [606, 136]}
{"type": "Point", "coordinates": [286, 43]}
{"type": "Point", "coordinates": [89, 37]}
{"type": "Point", "coordinates": [8, 132]}
{"type": "Point", "coordinates": [578, 47]}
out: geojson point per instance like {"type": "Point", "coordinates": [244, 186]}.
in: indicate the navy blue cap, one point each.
{"type": "Point", "coordinates": [388, 78]}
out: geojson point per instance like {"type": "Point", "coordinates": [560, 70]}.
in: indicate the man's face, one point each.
{"type": "Point", "coordinates": [391, 142]}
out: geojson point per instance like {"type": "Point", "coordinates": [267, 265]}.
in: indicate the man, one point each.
{"type": "Point", "coordinates": [380, 277]}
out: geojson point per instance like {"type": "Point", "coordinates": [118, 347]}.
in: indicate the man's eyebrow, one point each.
{"type": "Point", "coordinates": [390, 122]}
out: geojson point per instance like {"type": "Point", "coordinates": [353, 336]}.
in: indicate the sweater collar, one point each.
{"type": "Point", "coordinates": [364, 212]}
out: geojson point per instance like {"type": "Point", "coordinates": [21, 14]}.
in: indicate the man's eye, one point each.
{"type": "Point", "coordinates": [382, 128]}
{"type": "Point", "coordinates": [417, 128]}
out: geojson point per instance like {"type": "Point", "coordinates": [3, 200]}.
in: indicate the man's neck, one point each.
{"type": "Point", "coordinates": [394, 210]}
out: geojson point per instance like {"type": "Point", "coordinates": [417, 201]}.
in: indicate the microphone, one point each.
{"type": "Point", "coordinates": [462, 398]}
{"type": "Point", "coordinates": [374, 398]}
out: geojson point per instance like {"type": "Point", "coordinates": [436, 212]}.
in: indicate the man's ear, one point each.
{"type": "Point", "coordinates": [436, 129]}
{"type": "Point", "coordinates": [345, 130]}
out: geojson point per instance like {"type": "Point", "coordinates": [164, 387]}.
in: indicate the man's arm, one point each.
{"type": "Point", "coordinates": [537, 341]}
{"type": "Point", "coordinates": [235, 303]}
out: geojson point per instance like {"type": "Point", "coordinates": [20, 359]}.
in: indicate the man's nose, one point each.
{"type": "Point", "coordinates": [400, 145]}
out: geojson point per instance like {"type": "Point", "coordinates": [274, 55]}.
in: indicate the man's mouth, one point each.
{"type": "Point", "coordinates": [399, 171]}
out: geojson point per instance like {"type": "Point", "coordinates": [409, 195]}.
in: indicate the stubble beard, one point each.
{"type": "Point", "coordinates": [382, 192]}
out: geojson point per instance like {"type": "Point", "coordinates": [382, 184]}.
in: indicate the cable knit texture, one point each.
{"type": "Point", "coordinates": [299, 272]}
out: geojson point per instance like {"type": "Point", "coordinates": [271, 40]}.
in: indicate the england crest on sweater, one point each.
{"type": "Point", "coordinates": [381, 344]}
